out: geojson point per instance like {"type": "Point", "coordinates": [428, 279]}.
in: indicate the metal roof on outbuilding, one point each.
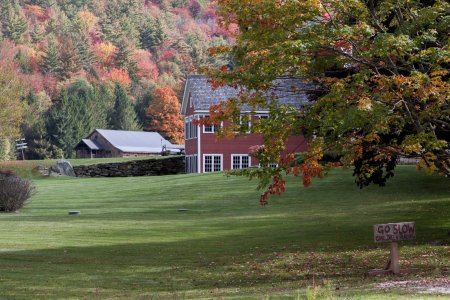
{"type": "Point", "coordinates": [287, 90]}
{"type": "Point", "coordinates": [92, 144]}
{"type": "Point", "coordinates": [137, 141]}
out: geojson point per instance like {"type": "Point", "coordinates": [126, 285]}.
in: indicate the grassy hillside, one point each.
{"type": "Point", "coordinates": [131, 240]}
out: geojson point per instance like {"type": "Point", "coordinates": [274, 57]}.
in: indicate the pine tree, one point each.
{"type": "Point", "coordinates": [123, 116]}
{"type": "Point", "coordinates": [84, 52]}
{"type": "Point", "coordinates": [152, 34]}
{"type": "Point", "coordinates": [124, 58]}
{"type": "Point", "coordinates": [51, 61]}
{"type": "Point", "coordinates": [75, 115]}
{"type": "Point", "coordinates": [5, 9]}
{"type": "Point", "coordinates": [16, 24]}
{"type": "Point", "coordinates": [34, 126]}
{"type": "Point", "coordinates": [36, 34]}
{"type": "Point", "coordinates": [110, 29]}
{"type": "Point", "coordinates": [21, 58]}
{"type": "Point", "coordinates": [101, 106]}
{"type": "Point", "coordinates": [61, 124]}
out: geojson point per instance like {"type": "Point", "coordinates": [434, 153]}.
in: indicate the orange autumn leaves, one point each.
{"type": "Point", "coordinates": [163, 114]}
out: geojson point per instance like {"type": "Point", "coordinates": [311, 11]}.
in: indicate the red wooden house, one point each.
{"type": "Point", "coordinates": [203, 152]}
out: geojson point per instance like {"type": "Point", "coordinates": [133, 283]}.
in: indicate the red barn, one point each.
{"type": "Point", "coordinates": [206, 154]}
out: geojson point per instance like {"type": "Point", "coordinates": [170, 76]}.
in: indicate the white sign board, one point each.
{"type": "Point", "coordinates": [392, 232]}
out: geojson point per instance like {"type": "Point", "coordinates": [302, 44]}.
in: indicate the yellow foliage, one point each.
{"type": "Point", "coordinates": [427, 163]}
{"type": "Point", "coordinates": [88, 20]}
{"type": "Point", "coordinates": [413, 148]}
{"type": "Point", "coordinates": [105, 52]}
{"type": "Point", "coordinates": [372, 137]}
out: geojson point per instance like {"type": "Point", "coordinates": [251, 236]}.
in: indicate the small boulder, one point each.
{"type": "Point", "coordinates": [63, 167]}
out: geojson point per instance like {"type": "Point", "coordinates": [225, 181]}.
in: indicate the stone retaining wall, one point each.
{"type": "Point", "coordinates": [147, 167]}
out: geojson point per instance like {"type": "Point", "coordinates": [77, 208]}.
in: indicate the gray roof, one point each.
{"type": "Point", "coordinates": [287, 90]}
{"type": "Point", "coordinates": [93, 145]}
{"type": "Point", "coordinates": [137, 141]}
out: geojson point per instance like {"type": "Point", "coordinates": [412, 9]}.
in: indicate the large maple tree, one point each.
{"type": "Point", "coordinates": [380, 71]}
{"type": "Point", "coordinates": [163, 113]}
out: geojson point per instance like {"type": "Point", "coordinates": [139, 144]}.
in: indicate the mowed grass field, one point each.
{"type": "Point", "coordinates": [132, 242]}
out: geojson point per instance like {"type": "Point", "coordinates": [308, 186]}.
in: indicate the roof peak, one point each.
{"type": "Point", "coordinates": [117, 130]}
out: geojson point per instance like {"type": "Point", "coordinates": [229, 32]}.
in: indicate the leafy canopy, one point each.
{"type": "Point", "coordinates": [380, 70]}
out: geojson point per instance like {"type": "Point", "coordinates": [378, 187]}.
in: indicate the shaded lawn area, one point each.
{"type": "Point", "coordinates": [130, 240]}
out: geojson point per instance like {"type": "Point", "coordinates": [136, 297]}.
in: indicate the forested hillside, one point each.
{"type": "Point", "coordinates": [69, 66]}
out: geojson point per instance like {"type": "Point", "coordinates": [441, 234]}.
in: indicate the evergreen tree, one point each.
{"type": "Point", "coordinates": [123, 117]}
{"type": "Point", "coordinates": [197, 47]}
{"type": "Point", "coordinates": [36, 34]}
{"type": "Point", "coordinates": [124, 58]}
{"type": "Point", "coordinates": [110, 29]}
{"type": "Point", "coordinates": [51, 61]}
{"type": "Point", "coordinates": [5, 9]}
{"type": "Point", "coordinates": [34, 129]}
{"type": "Point", "coordinates": [141, 105]}
{"type": "Point", "coordinates": [21, 58]}
{"type": "Point", "coordinates": [61, 124]}
{"type": "Point", "coordinates": [60, 24]}
{"type": "Point", "coordinates": [130, 29]}
{"type": "Point", "coordinates": [152, 34]}
{"type": "Point", "coordinates": [84, 52]}
{"type": "Point", "coordinates": [43, 3]}
{"type": "Point", "coordinates": [101, 106]}
{"type": "Point", "coordinates": [15, 25]}
{"type": "Point", "coordinates": [75, 115]}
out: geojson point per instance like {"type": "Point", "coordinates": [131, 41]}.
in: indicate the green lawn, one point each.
{"type": "Point", "coordinates": [131, 242]}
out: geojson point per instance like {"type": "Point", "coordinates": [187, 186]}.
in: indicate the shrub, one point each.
{"type": "Point", "coordinates": [14, 191]}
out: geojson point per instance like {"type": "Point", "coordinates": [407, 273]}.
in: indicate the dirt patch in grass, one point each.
{"type": "Point", "coordinates": [429, 285]}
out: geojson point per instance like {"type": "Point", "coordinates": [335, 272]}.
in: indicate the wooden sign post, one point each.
{"type": "Point", "coordinates": [393, 232]}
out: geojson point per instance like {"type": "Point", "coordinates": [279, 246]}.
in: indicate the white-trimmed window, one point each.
{"type": "Point", "coordinates": [191, 164]}
{"type": "Point", "coordinates": [190, 129]}
{"type": "Point", "coordinates": [259, 119]}
{"type": "Point", "coordinates": [271, 165]}
{"type": "Point", "coordinates": [209, 128]}
{"type": "Point", "coordinates": [240, 161]}
{"type": "Point", "coordinates": [212, 163]}
{"type": "Point", "coordinates": [245, 122]}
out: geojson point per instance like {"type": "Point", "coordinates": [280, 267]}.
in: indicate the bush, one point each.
{"type": "Point", "coordinates": [331, 157]}
{"type": "Point", "coordinates": [14, 191]}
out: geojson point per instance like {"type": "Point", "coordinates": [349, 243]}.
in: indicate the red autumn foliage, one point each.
{"type": "Point", "coordinates": [50, 83]}
{"type": "Point", "coordinates": [146, 68]}
{"type": "Point", "coordinates": [308, 169]}
{"type": "Point", "coordinates": [166, 55]}
{"type": "Point", "coordinates": [163, 113]}
{"type": "Point", "coordinates": [118, 76]}
{"type": "Point", "coordinates": [35, 13]}
{"type": "Point", "coordinates": [34, 81]}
